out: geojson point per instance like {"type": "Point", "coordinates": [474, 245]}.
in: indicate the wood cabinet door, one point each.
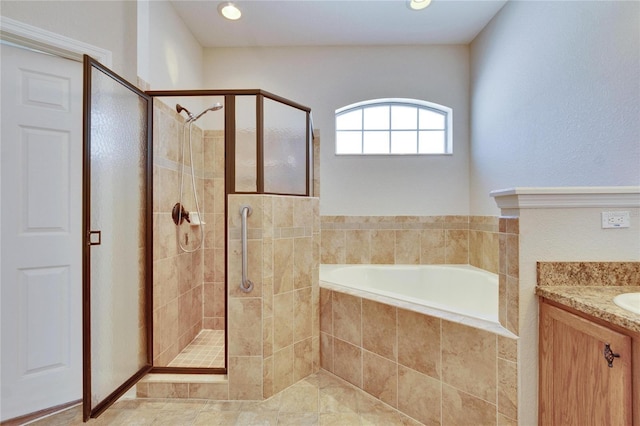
{"type": "Point", "coordinates": [577, 386]}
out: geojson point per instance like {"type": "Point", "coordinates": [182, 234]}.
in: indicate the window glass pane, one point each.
{"type": "Point", "coordinates": [431, 119]}
{"type": "Point", "coordinates": [246, 135]}
{"type": "Point", "coordinates": [285, 148]}
{"type": "Point", "coordinates": [404, 142]}
{"type": "Point", "coordinates": [348, 142]}
{"type": "Point", "coordinates": [432, 142]}
{"type": "Point", "coordinates": [375, 143]}
{"type": "Point", "coordinates": [376, 118]}
{"type": "Point", "coordinates": [404, 117]}
{"type": "Point", "coordinates": [351, 120]}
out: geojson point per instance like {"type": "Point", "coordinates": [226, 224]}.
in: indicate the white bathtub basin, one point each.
{"type": "Point", "coordinates": [628, 301]}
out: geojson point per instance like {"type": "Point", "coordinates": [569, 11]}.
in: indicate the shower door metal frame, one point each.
{"type": "Point", "coordinates": [230, 143]}
{"type": "Point", "coordinates": [88, 64]}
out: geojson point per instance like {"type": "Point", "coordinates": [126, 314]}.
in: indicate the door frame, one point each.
{"type": "Point", "coordinates": [49, 42]}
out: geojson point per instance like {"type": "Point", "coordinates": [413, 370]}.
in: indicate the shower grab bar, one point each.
{"type": "Point", "coordinates": [246, 285]}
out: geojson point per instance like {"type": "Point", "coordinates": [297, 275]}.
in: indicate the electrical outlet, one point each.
{"type": "Point", "coordinates": [615, 219]}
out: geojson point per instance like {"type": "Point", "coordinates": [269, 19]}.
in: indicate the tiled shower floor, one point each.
{"type": "Point", "coordinates": [206, 350]}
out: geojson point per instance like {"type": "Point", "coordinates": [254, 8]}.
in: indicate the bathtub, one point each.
{"type": "Point", "coordinates": [459, 293]}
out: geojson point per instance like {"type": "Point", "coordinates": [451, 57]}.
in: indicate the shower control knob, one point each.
{"type": "Point", "coordinates": [179, 214]}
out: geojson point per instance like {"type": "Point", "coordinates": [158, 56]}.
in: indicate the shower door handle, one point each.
{"type": "Point", "coordinates": [246, 285]}
{"type": "Point", "coordinates": [91, 238]}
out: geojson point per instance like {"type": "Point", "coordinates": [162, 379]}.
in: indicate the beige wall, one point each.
{"type": "Point", "coordinates": [559, 106]}
{"type": "Point", "coordinates": [329, 77]}
{"type": "Point", "coordinates": [110, 25]}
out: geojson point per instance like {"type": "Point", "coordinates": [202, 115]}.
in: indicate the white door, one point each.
{"type": "Point", "coordinates": [41, 216]}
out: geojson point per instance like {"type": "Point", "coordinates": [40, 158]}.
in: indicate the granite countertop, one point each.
{"type": "Point", "coordinates": [596, 301]}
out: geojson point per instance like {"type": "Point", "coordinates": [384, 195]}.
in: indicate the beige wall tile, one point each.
{"type": "Point", "coordinates": [302, 359]}
{"type": "Point", "coordinates": [326, 351]}
{"type": "Point", "coordinates": [218, 391]}
{"type": "Point", "coordinates": [432, 245]}
{"type": "Point", "coordinates": [168, 390]}
{"type": "Point", "coordinates": [383, 244]}
{"type": "Point", "coordinates": [460, 408]}
{"type": "Point", "coordinates": [302, 262]}
{"type": "Point", "coordinates": [267, 377]}
{"type": "Point", "coordinates": [379, 330]}
{"type": "Point", "coordinates": [469, 360]}
{"type": "Point", "coordinates": [507, 348]}
{"type": "Point", "coordinates": [347, 362]}
{"type": "Point", "coordinates": [513, 296]}
{"type": "Point", "coordinates": [302, 320]}
{"type": "Point", "coordinates": [380, 378]}
{"type": "Point", "coordinates": [358, 246]}
{"type": "Point", "coordinates": [267, 336]}
{"type": "Point", "coordinates": [347, 313]}
{"type": "Point", "coordinates": [245, 327]}
{"type": "Point", "coordinates": [419, 396]}
{"type": "Point", "coordinates": [419, 342]}
{"type": "Point", "coordinates": [332, 250]}
{"type": "Point", "coordinates": [457, 246]}
{"type": "Point", "coordinates": [283, 265]}
{"type": "Point", "coordinates": [508, 388]}
{"type": "Point", "coordinates": [283, 212]}
{"type": "Point", "coordinates": [282, 320]}
{"type": "Point", "coordinates": [283, 368]}
{"type": "Point", "coordinates": [408, 247]}
{"type": "Point", "coordinates": [513, 253]}
{"type": "Point", "coordinates": [245, 377]}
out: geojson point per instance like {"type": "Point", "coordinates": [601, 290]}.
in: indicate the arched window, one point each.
{"type": "Point", "coordinates": [394, 126]}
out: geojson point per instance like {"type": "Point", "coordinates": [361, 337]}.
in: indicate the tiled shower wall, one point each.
{"type": "Point", "coordinates": [188, 287]}
{"type": "Point", "coordinates": [273, 331]}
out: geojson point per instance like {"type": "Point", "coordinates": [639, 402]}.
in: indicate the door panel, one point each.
{"type": "Point", "coordinates": [41, 231]}
{"type": "Point", "coordinates": [117, 203]}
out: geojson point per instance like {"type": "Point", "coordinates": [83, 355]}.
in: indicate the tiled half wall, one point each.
{"type": "Point", "coordinates": [274, 330]}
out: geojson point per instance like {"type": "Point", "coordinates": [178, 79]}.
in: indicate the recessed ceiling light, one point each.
{"type": "Point", "coordinates": [230, 11]}
{"type": "Point", "coordinates": [418, 4]}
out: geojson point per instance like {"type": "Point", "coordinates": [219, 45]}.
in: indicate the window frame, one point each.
{"type": "Point", "coordinates": [446, 112]}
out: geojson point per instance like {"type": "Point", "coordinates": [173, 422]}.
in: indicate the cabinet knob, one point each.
{"type": "Point", "coordinates": [609, 355]}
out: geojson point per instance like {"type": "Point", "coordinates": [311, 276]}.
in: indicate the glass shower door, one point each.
{"type": "Point", "coordinates": [117, 224]}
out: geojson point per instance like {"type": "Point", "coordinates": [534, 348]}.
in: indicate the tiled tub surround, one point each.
{"type": "Point", "coordinates": [434, 370]}
{"type": "Point", "coordinates": [411, 240]}
{"type": "Point", "coordinates": [273, 330]}
{"type": "Point", "coordinates": [481, 357]}
{"type": "Point", "coordinates": [189, 292]}
{"type": "Point", "coordinates": [487, 242]}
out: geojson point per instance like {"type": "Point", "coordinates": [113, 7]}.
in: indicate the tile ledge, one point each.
{"type": "Point", "coordinates": [185, 378]}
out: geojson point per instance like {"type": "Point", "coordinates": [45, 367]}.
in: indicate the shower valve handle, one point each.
{"type": "Point", "coordinates": [180, 214]}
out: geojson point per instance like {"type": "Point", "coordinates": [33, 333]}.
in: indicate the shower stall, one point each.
{"type": "Point", "coordinates": [256, 148]}
{"type": "Point", "coordinates": [163, 192]}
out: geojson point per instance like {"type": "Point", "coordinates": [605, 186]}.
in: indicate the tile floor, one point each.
{"type": "Point", "coordinates": [206, 350]}
{"type": "Point", "coordinates": [321, 399]}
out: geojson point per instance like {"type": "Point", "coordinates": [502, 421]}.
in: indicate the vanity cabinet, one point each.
{"type": "Point", "coordinates": [578, 385]}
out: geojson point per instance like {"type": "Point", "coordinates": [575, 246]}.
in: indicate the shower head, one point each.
{"type": "Point", "coordinates": [214, 107]}
{"type": "Point", "coordinates": [180, 108]}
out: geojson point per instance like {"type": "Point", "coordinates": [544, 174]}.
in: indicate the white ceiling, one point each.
{"type": "Point", "coordinates": [337, 22]}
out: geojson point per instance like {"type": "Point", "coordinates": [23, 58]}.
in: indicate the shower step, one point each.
{"type": "Point", "coordinates": [186, 386]}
